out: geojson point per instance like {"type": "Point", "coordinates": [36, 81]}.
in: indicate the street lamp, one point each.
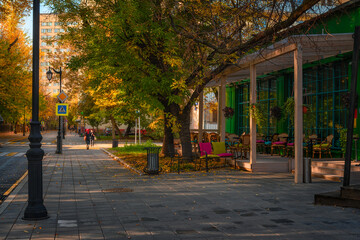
{"type": "Point", "coordinates": [59, 141]}
{"type": "Point", "coordinates": [35, 210]}
{"type": "Point", "coordinates": [24, 123]}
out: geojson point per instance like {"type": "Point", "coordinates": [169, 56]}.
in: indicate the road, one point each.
{"type": "Point", "coordinates": [13, 161]}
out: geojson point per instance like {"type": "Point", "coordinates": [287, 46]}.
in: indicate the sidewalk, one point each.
{"type": "Point", "coordinates": [90, 196]}
{"type": "Point", "coordinates": [6, 136]}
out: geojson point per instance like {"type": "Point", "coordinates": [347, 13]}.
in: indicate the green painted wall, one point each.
{"type": "Point", "coordinates": [281, 125]}
{"type": "Point", "coordinates": [230, 102]}
{"type": "Point", "coordinates": [340, 23]}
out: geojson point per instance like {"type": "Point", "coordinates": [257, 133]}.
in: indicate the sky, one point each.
{"type": "Point", "coordinates": [28, 26]}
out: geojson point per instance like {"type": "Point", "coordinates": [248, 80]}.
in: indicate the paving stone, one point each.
{"type": "Point", "coordinates": [227, 204]}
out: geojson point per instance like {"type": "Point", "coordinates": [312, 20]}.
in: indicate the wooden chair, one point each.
{"type": "Point", "coordinates": [260, 142]}
{"type": "Point", "coordinates": [280, 144]}
{"type": "Point", "coordinates": [290, 146]}
{"type": "Point", "coordinates": [324, 146]}
{"type": "Point", "coordinates": [214, 137]}
{"type": "Point", "coordinates": [309, 140]}
{"type": "Point", "coordinates": [243, 146]}
{"type": "Point", "coordinates": [175, 154]}
{"type": "Point", "coordinates": [206, 137]}
{"type": "Point", "coordinates": [231, 140]}
{"type": "Point", "coordinates": [269, 140]}
{"type": "Point", "coordinates": [194, 141]}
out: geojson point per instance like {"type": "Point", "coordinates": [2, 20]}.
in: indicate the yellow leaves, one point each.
{"type": "Point", "coordinates": [179, 84]}
{"type": "Point", "coordinates": [172, 123]}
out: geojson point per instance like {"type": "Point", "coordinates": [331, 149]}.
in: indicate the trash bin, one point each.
{"type": "Point", "coordinates": [307, 170]}
{"type": "Point", "coordinates": [152, 160]}
{"type": "Point", "coordinates": [307, 163]}
{"type": "Point", "coordinates": [115, 143]}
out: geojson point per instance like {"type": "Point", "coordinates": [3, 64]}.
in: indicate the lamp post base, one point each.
{"type": "Point", "coordinates": [35, 211]}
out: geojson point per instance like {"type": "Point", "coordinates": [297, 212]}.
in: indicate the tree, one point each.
{"type": "Point", "coordinates": [166, 52]}
{"type": "Point", "coordinates": [15, 59]}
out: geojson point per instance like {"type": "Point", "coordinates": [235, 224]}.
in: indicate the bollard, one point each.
{"type": "Point", "coordinates": [152, 160]}
{"type": "Point", "coordinates": [307, 170]}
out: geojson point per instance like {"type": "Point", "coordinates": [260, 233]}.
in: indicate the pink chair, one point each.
{"type": "Point", "coordinates": [280, 144]}
{"type": "Point", "coordinates": [207, 152]}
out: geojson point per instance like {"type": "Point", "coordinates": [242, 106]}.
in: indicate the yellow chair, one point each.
{"type": "Point", "coordinates": [219, 151]}
{"type": "Point", "coordinates": [324, 146]}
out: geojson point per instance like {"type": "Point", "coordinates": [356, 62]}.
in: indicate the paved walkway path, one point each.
{"type": "Point", "coordinates": [90, 196]}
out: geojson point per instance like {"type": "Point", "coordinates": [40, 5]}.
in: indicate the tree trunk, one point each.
{"type": "Point", "coordinates": [97, 132]}
{"type": "Point", "coordinates": [185, 139]}
{"type": "Point", "coordinates": [15, 129]}
{"type": "Point", "coordinates": [168, 141]}
{"type": "Point", "coordinates": [113, 124]}
{"type": "Point", "coordinates": [127, 131]}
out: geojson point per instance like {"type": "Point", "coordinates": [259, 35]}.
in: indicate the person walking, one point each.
{"type": "Point", "coordinates": [87, 138]}
{"type": "Point", "coordinates": [92, 137]}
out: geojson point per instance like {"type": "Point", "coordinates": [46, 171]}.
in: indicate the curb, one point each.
{"type": "Point", "coordinates": [13, 190]}
{"type": "Point", "coordinates": [122, 162]}
{"type": "Point", "coordinates": [20, 184]}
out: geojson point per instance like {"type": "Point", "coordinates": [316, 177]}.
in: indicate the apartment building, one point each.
{"type": "Point", "coordinates": [51, 52]}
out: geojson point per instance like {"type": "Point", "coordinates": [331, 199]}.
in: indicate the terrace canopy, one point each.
{"type": "Point", "coordinates": [290, 52]}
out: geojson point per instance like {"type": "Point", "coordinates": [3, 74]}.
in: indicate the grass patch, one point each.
{"type": "Point", "coordinates": [121, 138]}
{"type": "Point", "coordinates": [133, 148]}
{"type": "Point", "coordinates": [135, 155]}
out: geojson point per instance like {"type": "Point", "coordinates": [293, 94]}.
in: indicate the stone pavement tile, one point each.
{"type": "Point", "coordinates": [113, 232]}
{"type": "Point", "coordinates": [223, 205]}
{"type": "Point", "coordinates": [19, 234]}
{"type": "Point", "coordinates": [67, 233]}
{"type": "Point", "coordinates": [4, 230]}
{"type": "Point", "coordinates": [136, 230]}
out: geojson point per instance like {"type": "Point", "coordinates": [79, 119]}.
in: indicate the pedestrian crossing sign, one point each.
{"type": "Point", "coordinates": [62, 109]}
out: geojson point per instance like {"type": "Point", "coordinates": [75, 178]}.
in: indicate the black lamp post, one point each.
{"type": "Point", "coordinates": [59, 141]}
{"type": "Point", "coordinates": [24, 123]}
{"type": "Point", "coordinates": [35, 210]}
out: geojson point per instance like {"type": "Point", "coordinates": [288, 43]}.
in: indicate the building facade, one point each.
{"type": "Point", "coordinates": [50, 51]}
{"type": "Point", "coordinates": [326, 84]}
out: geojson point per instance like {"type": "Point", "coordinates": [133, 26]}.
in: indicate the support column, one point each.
{"type": "Point", "coordinates": [201, 115]}
{"type": "Point", "coordinates": [252, 120]}
{"type": "Point", "coordinates": [298, 97]}
{"type": "Point", "coordinates": [222, 105]}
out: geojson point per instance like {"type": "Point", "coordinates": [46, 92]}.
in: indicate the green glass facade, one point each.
{"type": "Point", "coordinates": [325, 82]}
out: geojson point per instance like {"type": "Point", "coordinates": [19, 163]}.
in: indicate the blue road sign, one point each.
{"type": "Point", "coordinates": [62, 109]}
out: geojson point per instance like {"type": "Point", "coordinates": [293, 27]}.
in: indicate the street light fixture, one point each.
{"type": "Point", "coordinates": [59, 141]}
{"type": "Point", "coordinates": [35, 210]}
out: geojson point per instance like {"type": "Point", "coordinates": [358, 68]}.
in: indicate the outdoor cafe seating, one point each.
{"type": "Point", "coordinates": [279, 144]}
{"type": "Point", "coordinates": [215, 150]}
{"type": "Point", "coordinates": [242, 147]}
{"type": "Point", "coordinates": [323, 147]}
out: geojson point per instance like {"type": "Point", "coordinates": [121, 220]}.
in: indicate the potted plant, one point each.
{"type": "Point", "coordinates": [228, 112]}
{"type": "Point", "coordinates": [289, 110]}
{"type": "Point", "coordinates": [258, 112]}
{"type": "Point", "coordinates": [276, 112]}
